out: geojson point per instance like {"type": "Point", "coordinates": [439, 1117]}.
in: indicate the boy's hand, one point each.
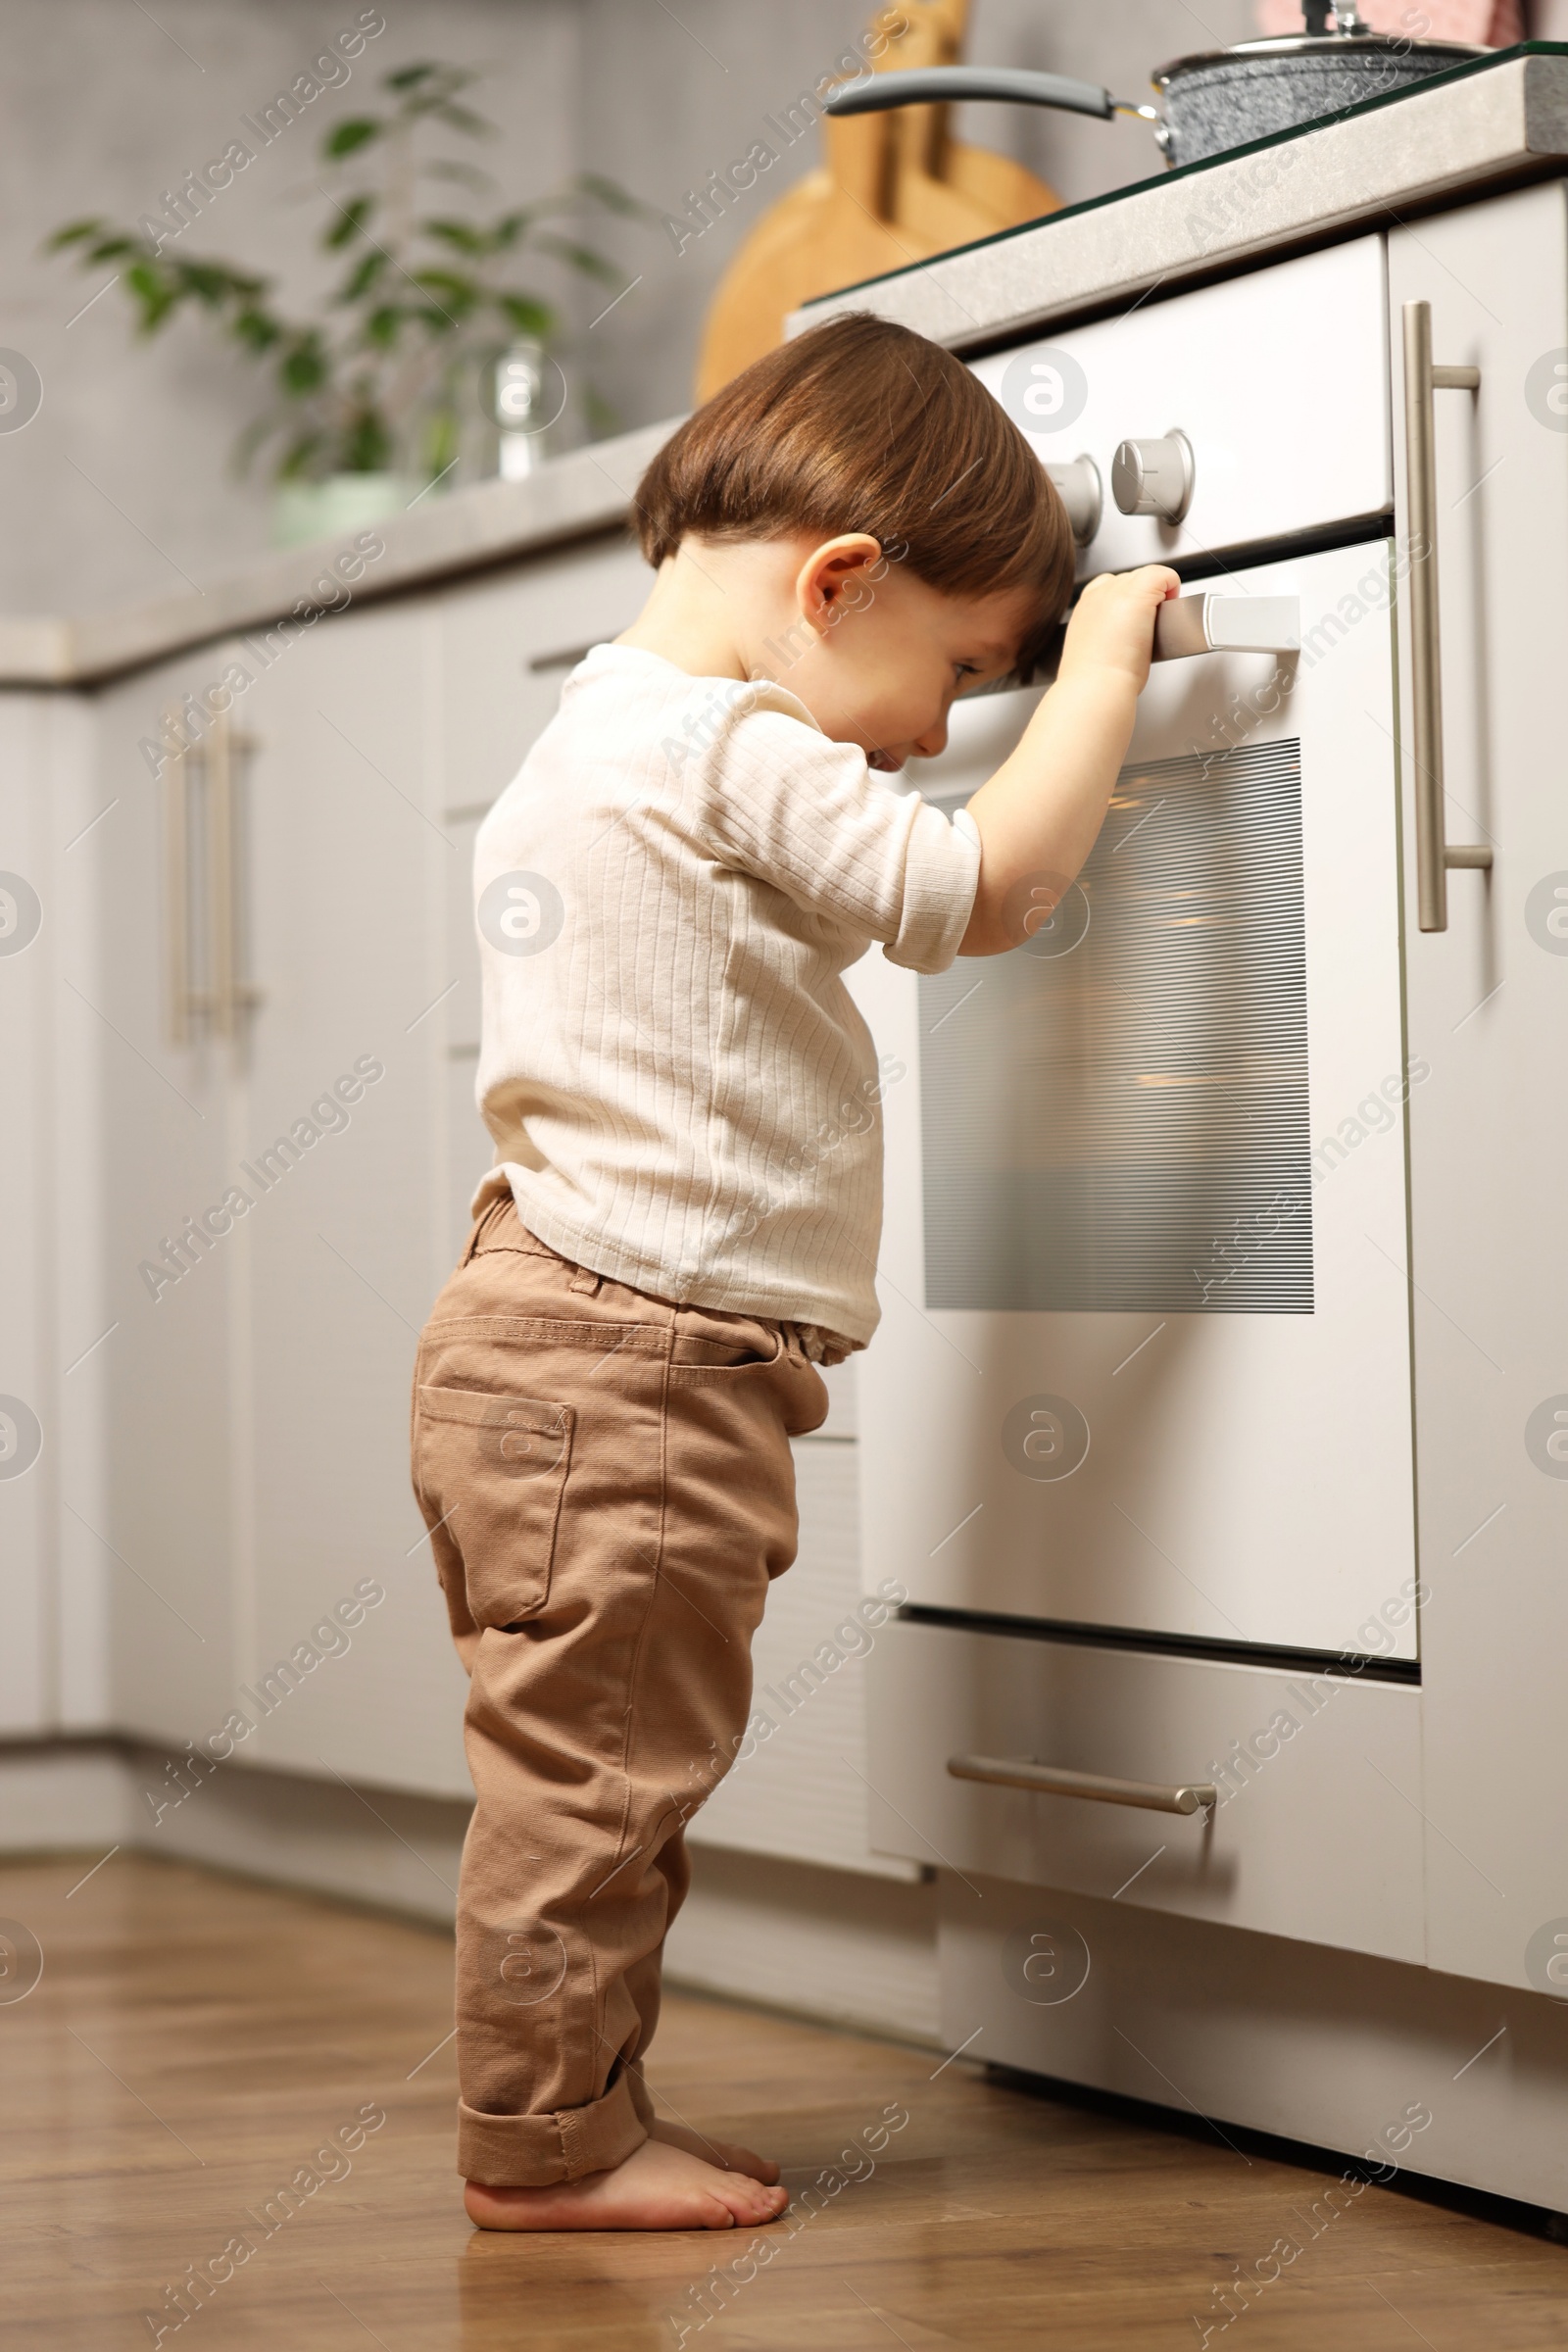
{"type": "Point", "coordinates": [1112, 625]}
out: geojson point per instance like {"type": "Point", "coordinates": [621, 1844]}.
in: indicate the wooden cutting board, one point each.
{"type": "Point", "coordinates": [894, 188]}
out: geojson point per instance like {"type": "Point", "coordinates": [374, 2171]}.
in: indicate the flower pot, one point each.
{"type": "Point", "coordinates": [342, 504]}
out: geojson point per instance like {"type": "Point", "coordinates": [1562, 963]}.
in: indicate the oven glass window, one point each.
{"type": "Point", "coordinates": [1115, 1112]}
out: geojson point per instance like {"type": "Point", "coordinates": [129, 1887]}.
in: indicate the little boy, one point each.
{"type": "Point", "coordinates": [846, 538]}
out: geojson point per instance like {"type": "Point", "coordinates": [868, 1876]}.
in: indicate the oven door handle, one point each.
{"type": "Point", "coordinates": [1434, 853]}
{"type": "Point", "coordinates": [1227, 624]}
{"type": "Point", "coordinates": [1050, 1779]}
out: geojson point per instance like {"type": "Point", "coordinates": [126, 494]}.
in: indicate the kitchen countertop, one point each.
{"type": "Point", "coordinates": [1488, 125]}
{"type": "Point", "coordinates": [570, 498]}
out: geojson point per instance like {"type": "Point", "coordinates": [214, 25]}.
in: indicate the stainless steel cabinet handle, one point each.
{"type": "Point", "coordinates": [1187, 1796]}
{"type": "Point", "coordinates": [231, 996]}
{"type": "Point", "coordinates": [178, 914]}
{"type": "Point", "coordinates": [1433, 853]}
{"type": "Point", "coordinates": [220, 874]}
{"type": "Point", "coordinates": [1242, 624]}
{"type": "Point", "coordinates": [205, 934]}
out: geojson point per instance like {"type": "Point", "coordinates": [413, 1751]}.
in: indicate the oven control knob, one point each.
{"type": "Point", "coordinates": [1153, 477]}
{"type": "Point", "coordinates": [1079, 488]}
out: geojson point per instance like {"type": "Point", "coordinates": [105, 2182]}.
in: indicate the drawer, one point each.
{"type": "Point", "coordinates": [1279, 380]}
{"type": "Point", "coordinates": [1317, 1834]}
{"type": "Point", "coordinates": [508, 643]}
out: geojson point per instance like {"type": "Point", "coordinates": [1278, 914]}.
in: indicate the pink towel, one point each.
{"type": "Point", "coordinates": [1496, 23]}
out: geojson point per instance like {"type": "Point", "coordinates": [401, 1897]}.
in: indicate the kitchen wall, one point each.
{"type": "Point", "coordinates": [119, 488]}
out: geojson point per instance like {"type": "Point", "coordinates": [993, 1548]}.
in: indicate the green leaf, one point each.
{"type": "Point", "coordinates": [408, 78]}
{"type": "Point", "coordinates": [463, 119]}
{"type": "Point", "coordinates": [610, 193]}
{"type": "Point", "coordinates": [298, 458]}
{"type": "Point", "coordinates": [441, 443]}
{"type": "Point", "coordinates": [458, 234]}
{"type": "Point", "coordinates": [367, 444]}
{"type": "Point", "coordinates": [444, 286]}
{"type": "Point", "coordinates": [525, 315]}
{"type": "Point", "coordinates": [351, 218]}
{"type": "Point", "coordinates": [362, 276]}
{"type": "Point", "coordinates": [74, 233]}
{"type": "Point", "coordinates": [509, 228]}
{"type": "Point", "coordinates": [209, 282]}
{"type": "Point", "coordinates": [255, 329]}
{"type": "Point", "coordinates": [583, 258]}
{"type": "Point", "coordinates": [115, 249]}
{"type": "Point", "coordinates": [152, 290]}
{"type": "Point", "coordinates": [305, 368]}
{"type": "Point", "coordinates": [381, 327]}
{"type": "Point", "coordinates": [345, 137]}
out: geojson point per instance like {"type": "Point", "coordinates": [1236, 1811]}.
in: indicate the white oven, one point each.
{"type": "Point", "coordinates": [1145, 1356]}
{"type": "Point", "coordinates": [1214, 1424]}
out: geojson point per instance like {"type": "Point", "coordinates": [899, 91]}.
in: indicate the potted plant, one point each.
{"type": "Point", "coordinates": [392, 388]}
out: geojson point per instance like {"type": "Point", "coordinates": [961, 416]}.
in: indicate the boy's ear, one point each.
{"type": "Point", "coordinates": [833, 579]}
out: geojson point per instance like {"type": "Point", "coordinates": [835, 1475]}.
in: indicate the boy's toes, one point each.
{"type": "Point", "coordinates": [751, 2201]}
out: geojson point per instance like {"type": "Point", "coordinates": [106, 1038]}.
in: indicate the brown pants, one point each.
{"type": "Point", "coordinates": [608, 1487]}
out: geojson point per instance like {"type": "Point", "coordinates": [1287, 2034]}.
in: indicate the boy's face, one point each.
{"type": "Point", "coordinates": [880, 656]}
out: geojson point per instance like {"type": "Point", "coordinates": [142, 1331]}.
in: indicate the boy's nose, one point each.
{"type": "Point", "coordinates": [933, 741]}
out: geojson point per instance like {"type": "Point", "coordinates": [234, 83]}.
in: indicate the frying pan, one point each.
{"type": "Point", "coordinates": [1216, 100]}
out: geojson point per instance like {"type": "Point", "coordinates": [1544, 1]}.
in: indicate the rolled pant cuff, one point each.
{"type": "Point", "coordinates": [536, 2151]}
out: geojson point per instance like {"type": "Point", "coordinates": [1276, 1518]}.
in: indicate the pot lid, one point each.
{"type": "Point", "coordinates": [1300, 44]}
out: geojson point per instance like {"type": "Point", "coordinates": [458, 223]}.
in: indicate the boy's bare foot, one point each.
{"type": "Point", "coordinates": [659, 2186]}
{"type": "Point", "coordinates": [726, 2153]}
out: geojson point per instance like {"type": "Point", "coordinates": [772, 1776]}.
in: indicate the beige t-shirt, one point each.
{"type": "Point", "coordinates": [682, 1094]}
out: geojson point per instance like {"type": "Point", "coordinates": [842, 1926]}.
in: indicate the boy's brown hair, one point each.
{"type": "Point", "coordinates": [862, 425]}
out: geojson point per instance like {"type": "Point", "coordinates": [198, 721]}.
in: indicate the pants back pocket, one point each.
{"type": "Point", "coordinates": [492, 1471]}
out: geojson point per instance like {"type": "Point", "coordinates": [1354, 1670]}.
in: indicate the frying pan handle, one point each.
{"type": "Point", "coordinates": [931, 85]}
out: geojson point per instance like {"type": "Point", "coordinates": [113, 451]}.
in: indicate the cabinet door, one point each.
{"type": "Point", "coordinates": [164, 1521]}
{"type": "Point", "coordinates": [50, 1306]}
{"type": "Point", "coordinates": [507, 644]}
{"type": "Point", "coordinates": [1490, 1132]}
{"type": "Point", "coordinates": [1145, 1356]}
{"type": "Point", "coordinates": [339, 1101]}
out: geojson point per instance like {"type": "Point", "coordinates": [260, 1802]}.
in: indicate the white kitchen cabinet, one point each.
{"type": "Point", "coordinates": [800, 1788]}
{"type": "Point", "coordinates": [52, 1040]}
{"type": "Point", "coordinates": [339, 1078]}
{"type": "Point", "coordinates": [166, 1373]}
{"type": "Point", "coordinates": [1490, 1134]}
{"type": "Point", "coordinates": [259, 1406]}
{"type": "Point", "coordinates": [507, 645]}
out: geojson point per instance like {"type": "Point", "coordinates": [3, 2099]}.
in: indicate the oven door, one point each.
{"type": "Point", "coordinates": [1145, 1356]}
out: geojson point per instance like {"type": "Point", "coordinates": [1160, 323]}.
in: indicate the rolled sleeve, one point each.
{"type": "Point", "coordinates": [941, 874]}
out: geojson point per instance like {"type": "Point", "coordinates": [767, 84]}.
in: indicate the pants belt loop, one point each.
{"type": "Point", "coordinates": [585, 1279]}
{"type": "Point", "coordinates": [487, 1217]}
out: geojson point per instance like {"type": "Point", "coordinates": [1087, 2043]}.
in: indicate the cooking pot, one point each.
{"type": "Point", "coordinates": [1218, 99]}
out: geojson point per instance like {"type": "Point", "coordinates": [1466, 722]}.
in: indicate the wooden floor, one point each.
{"type": "Point", "coordinates": [194, 2041]}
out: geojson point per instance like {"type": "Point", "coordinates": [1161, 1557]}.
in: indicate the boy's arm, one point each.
{"type": "Point", "coordinates": [1038, 815]}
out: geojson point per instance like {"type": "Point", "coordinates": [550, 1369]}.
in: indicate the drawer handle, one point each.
{"type": "Point", "coordinates": [1187, 1796]}
{"type": "Point", "coordinates": [1433, 852]}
